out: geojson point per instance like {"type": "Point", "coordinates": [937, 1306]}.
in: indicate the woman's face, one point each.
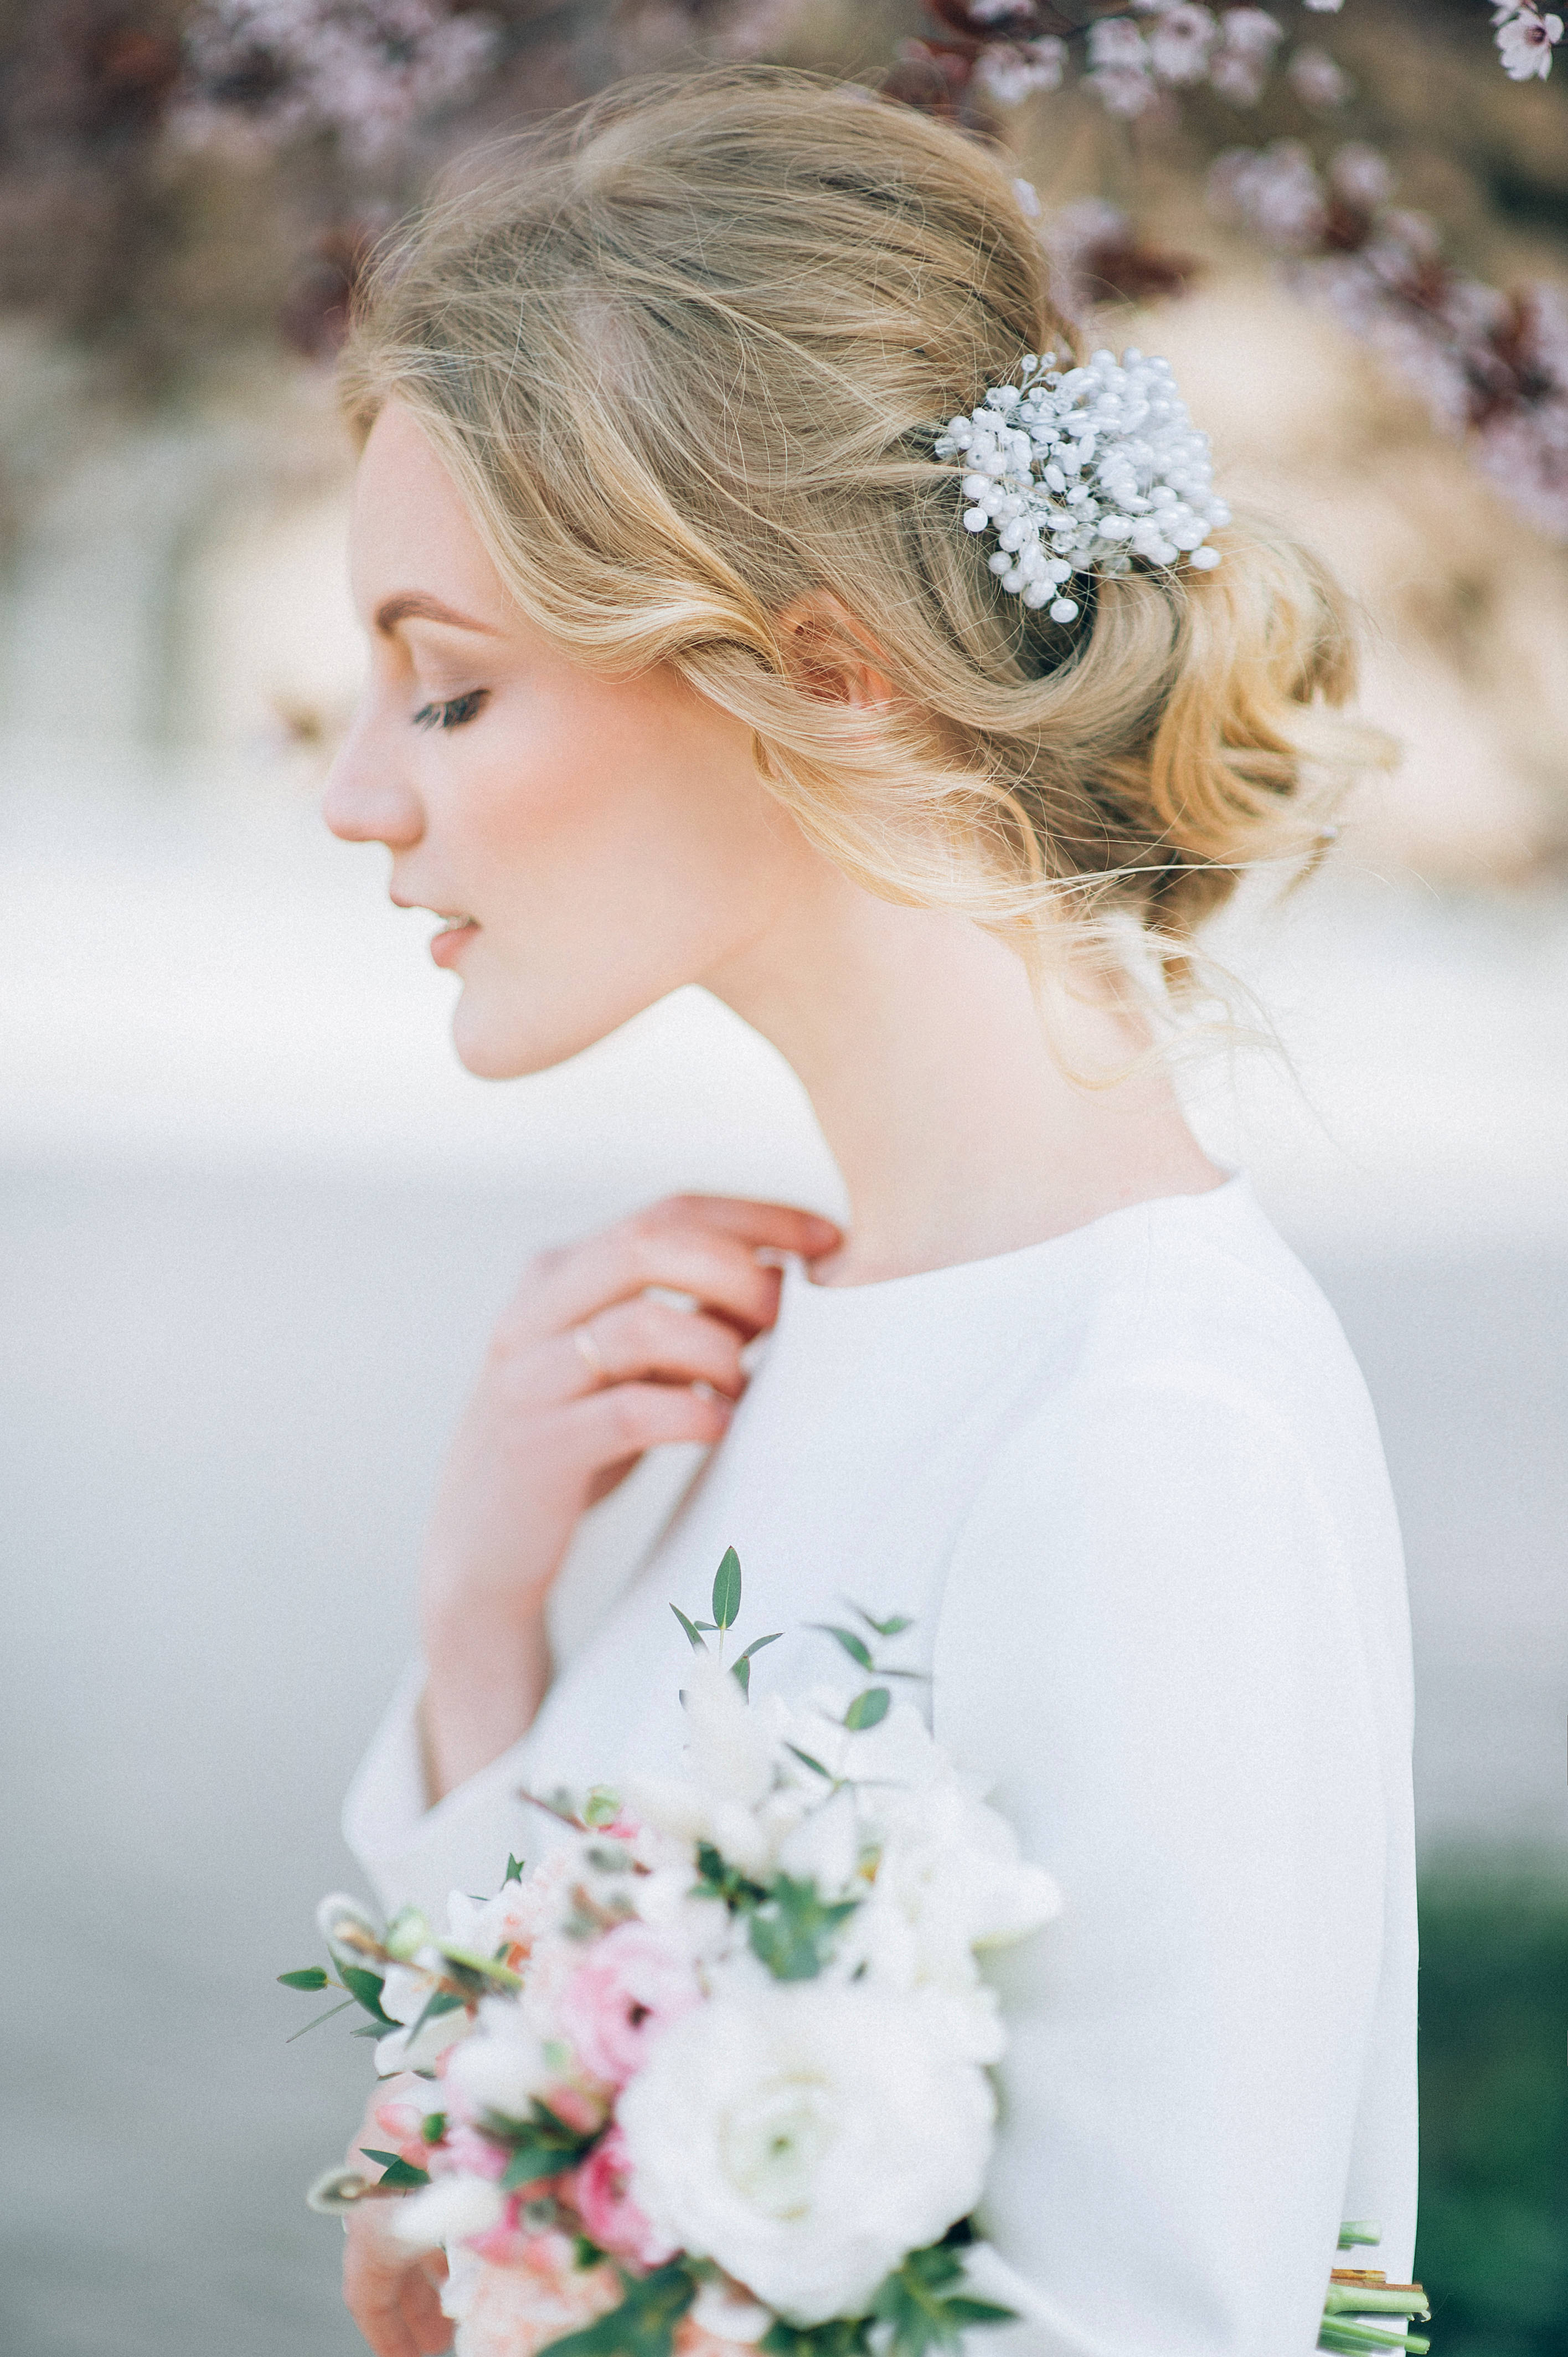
{"type": "Point", "coordinates": [595, 844]}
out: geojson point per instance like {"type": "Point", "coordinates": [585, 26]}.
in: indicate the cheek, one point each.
{"type": "Point", "coordinates": [620, 800]}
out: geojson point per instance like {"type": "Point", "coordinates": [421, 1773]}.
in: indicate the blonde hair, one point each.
{"type": "Point", "coordinates": [685, 355]}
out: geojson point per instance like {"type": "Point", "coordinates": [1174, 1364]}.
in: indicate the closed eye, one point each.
{"type": "Point", "coordinates": [453, 712]}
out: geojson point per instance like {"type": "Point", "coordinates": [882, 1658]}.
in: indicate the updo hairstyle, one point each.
{"type": "Point", "coordinates": [685, 355]}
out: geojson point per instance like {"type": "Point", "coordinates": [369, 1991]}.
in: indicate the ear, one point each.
{"type": "Point", "coordinates": [830, 654]}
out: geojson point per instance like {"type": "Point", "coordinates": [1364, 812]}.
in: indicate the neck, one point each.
{"type": "Point", "coordinates": [945, 1099]}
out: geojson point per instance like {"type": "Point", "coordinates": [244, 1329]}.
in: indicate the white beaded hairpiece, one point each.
{"type": "Point", "coordinates": [1082, 471]}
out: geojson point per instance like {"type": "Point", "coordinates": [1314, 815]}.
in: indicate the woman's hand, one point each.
{"type": "Point", "coordinates": [585, 1373]}
{"type": "Point", "coordinates": [393, 2294]}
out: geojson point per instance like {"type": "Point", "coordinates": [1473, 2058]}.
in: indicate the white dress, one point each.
{"type": "Point", "coordinates": [1130, 1484]}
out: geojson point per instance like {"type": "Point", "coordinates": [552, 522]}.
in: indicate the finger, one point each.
{"type": "Point", "coordinates": [430, 2331]}
{"type": "Point", "coordinates": [718, 1271]}
{"type": "Point", "coordinates": [372, 2294]}
{"type": "Point", "coordinates": [777, 1227]}
{"type": "Point", "coordinates": [647, 1338]}
{"type": "Point", "coordinates": [628, 1418]}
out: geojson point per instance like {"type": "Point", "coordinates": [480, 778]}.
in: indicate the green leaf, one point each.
{"type": "Point", "coordinates": [855, 1647]}
{"type": "Point", "coordinates": [868, 1709]}
{"type": "Point", "coordinates": [793, 1935]}
{"type": "Point", "coordinates": [806, 1760]}
{"type": "Point", "coordinates": [438, 2002]}
{"type": "Point", "coordinates": [726, 1590]}
{"type": "Point", "coordinates": [717, 1878]}
{"type": "Point", "coordinates": [486, 1968]}
{"type": "Point", "coordinates": [399, 2173]}
{"type": "Point", "coordinates": [432, 2127]}
{"type": "Point", "coordinates": [514, 1870]}
{"type": "Point", "coordinates": [922, 2309]}
{"type": "Point", "coordinates": [740, 1671]}
{"type": "Point", "coordinates": [542, 2145]}
{"type": "Point", "coordinates": [843, 2337]}
{"type": "Point", "coordinates": [893, 1628]}
{"type": "Point", "coordinates": [644, 2324]}
{"type": "Point", "coordinates": [601, 1808]}
{"type": "Point", "coordinates": [311, 1977]}
{"type": "Point", "coordinates": [365, 1988]}
{"type": "Point", "coordinates": [693, 1631]}
{"type": "Point", "coordinates": [341, 2007]}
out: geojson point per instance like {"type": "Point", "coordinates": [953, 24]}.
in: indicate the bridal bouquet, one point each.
{"type": "Point", "coordinates": [714, 2074]}
{"type": "Point", "coordinates": [715, 2071]}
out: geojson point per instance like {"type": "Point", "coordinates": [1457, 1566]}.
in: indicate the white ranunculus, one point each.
{"type": "Point", "coordinates": [952, 1866]}
{"type": "Point", "coordinates": [806, 2137]}
{"type": "Point", "coordinates": [825, 1846]}
{"type": "Point", "coordinates": [730, 1792]}
{"type": "Point", "coordinates": [502, 2067]}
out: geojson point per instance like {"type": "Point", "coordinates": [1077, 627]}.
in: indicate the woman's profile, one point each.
{"type": "Point", "coordinates": [685, 669]}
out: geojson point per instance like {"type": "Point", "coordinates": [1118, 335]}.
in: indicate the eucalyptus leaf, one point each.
{"type": "Point", "coordinates": [309, 1976]}
{"type": "Point", "coordinates": [806, 1760]}
{"type": "Point", "coordinates": [868, 1709]}
{"type": "Point", "coordinates": [890, 1628]}
{"type": "Point", "coordinates": [694, 1633]}
{"type": "Point", "coordinates": [726, 1590]}
{"type": "Point", "coordinates": [855, 1647]}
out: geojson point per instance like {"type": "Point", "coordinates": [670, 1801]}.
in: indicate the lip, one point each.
{"type": "Point", "coordinates": [447, 946]}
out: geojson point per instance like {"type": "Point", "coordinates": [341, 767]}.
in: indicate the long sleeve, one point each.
{"type": "Point", "coordinates": [1152, 1643]}
{"type": "Point", "coordinates": [412, 1854]}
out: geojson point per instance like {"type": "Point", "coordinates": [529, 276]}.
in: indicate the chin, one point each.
{"type": "Point", "coordinates": [507, 1050]}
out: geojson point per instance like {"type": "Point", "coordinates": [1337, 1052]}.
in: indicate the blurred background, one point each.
{"type": "Point", "coordinates": [256, 1222]}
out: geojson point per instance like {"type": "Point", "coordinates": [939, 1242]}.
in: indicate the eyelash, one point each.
{"type": "Point", "coordinates": [453, 712]}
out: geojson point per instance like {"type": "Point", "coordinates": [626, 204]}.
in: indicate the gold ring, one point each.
{"type": "Point", "coordinates": [589, 1352]}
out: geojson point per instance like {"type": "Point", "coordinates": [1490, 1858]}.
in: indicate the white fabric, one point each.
{"type": "Point", "coordinates": [1129, 1482]}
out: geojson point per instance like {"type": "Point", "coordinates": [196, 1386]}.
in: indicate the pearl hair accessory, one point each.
{"type": "Point", "coordinates": [1083, 470]}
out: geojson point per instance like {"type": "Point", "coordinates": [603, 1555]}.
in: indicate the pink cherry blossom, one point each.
{"type": "Point", "coordinates": [610, 2217]}
{"type": "Point", "coordinates": [631, 1985]}
{"type": "Point", "coordinates": [1526, 37]}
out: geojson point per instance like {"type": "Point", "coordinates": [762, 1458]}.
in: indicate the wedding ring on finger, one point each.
{"type": "Point", "coordinates": [589, 1352]}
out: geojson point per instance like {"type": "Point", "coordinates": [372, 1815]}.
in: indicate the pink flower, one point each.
{"type": "Point", "coordinates": [400, 2121]}
{"type": "Point", "coordinates": [609, 2215]}
{"type": "Point", "coordinates": [1526, 38]}
{"type": "Point", "coordinates": [464, 2152]}
{"type": "Point", "coordinates": [632, 1983]}
{"type": "Point", "coordinates": [535, 2296]}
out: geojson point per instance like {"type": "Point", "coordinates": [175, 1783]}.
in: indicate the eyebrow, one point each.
{"type": "Point", "coordinates": [416, 605]}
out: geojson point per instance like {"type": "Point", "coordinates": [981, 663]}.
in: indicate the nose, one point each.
{"type": "Point", "coordinates": [367, 797]}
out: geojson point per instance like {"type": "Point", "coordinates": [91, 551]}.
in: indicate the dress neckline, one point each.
{"type": "Point", "coordinates": [1023, 1261]}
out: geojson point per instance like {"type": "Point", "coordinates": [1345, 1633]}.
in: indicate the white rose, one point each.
{"type": "Point", "coordinates": [807, 2137]}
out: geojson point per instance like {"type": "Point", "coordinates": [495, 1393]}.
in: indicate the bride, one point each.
{"type": "Point", "coordinates": [691, 663]}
